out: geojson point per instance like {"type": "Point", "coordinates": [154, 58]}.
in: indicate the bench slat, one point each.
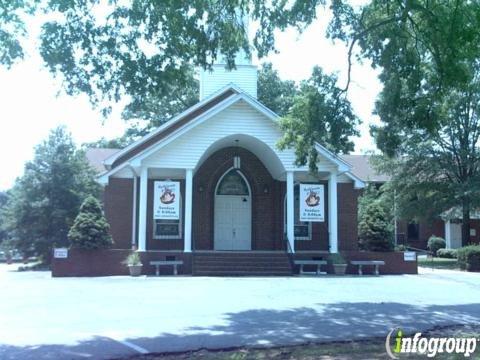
{"type": "Point", "coordinates": [310, 262]}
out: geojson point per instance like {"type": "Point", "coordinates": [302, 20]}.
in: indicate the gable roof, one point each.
{"type": "Point", "coordinates": [170, 126]}
{"type": "Point", "coordinates": [97, 156]}
{"type": "Point", "coordinates": [363, 169]}
{"type": "Point", "coordinates": [202, 110]}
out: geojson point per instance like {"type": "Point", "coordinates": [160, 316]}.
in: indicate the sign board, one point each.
{"type": "Point", "coordinates": [166, 201]}
{"type": "Point", "coordinates": [60, 253]}
{"type": "Point", "coordinates": [409, 256]}
{"type": "Point", "coordinates": [312, 202]}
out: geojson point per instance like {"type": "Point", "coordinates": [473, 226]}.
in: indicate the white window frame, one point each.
{"type": "Point", "coordinates": [309, 237]}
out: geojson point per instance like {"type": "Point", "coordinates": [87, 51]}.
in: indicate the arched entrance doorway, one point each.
{"type": "Point", "coordinates": [233, 212]}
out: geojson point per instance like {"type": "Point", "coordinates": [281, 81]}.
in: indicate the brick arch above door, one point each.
{"type": "Point", "coordinates": [266, 217]}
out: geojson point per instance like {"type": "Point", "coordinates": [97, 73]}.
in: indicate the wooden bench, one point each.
{"type": "Point", "coordinates": [173, 263]}
{"type": "Point", "coordinates": [375, 263]}
{"type": "Point", "coordinates": [318, 263]}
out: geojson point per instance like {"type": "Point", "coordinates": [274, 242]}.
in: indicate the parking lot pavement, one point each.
{"type": "Point", "coordinates": [106, 317]}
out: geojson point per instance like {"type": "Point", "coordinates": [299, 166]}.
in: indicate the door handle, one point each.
{"type": "Point", "coordinates": [234, 232]}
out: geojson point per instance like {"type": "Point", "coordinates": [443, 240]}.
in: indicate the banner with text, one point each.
{"type": "Point", "coordinates": [312, 202]}
{"type": "Point", "coordinates": [166, 203]}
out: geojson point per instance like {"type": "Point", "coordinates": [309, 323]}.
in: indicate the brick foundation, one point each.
{"type": "Point", "coordinates": [82, 263]}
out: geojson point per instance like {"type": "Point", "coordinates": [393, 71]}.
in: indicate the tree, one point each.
{"type": "Point", "coordinates": [429, 106]}
{"type": "Point", "coordinates": [375, 219]}
{"type": "Point", "coordinates": [319, 114]}
{"type": "Point", "coordinates": [90, 230]}
{"type": "Point", "coordinates": [111, 49]}
{"type": "Point", "coordinates": [3, 202]}
{"type": "Point", "coordinates": [146, 114]}
{"type": "Point", "coordinates": [44, 202]}
{"type": "Point", "coordinates": [273, 92]}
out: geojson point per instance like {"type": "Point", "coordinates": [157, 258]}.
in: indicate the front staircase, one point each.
{"type": "Point", "coordinates": [241, 263]}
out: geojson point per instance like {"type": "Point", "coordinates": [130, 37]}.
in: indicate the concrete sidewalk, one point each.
{"type": "Point", "coordinates": [100, 318]}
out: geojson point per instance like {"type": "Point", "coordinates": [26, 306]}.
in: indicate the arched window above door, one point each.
{"type": "Point", "coordinates": [233, 183]}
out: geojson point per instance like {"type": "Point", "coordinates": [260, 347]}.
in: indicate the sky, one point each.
{"type": "Point", "coordinates": [31, 101]}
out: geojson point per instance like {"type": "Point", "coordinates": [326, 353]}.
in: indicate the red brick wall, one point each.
{"type": "Point", "coordinates": [118, 198]}
{"type": "Point", "coordinates": [425, 228]}
{"type": "Point", "coordinates": [109, 262]}
{"type": "Point", "coordinates": [347, 216]}
{"type": "Point", "coordinates": [394, 263]}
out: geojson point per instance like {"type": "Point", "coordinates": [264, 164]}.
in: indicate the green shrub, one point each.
{"type": "Point", "coordinates": [90, 229]}
{"type": "Point", "coordinates": [469, 258]}
{"type": "Point", "coordinates": [435, 243]}
{"type": "Point", "coordinates": [447, 253]}
{"type": "Point", "coordinates": [374, 229]}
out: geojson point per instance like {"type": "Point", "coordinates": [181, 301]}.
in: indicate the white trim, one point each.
{"type": "Point", "coordinates": [111, 159]}
{"type": "Point", "coordinates": [142, 215]}
{"type": "Point", "coordinates": [290, 210]}
{"type": "Point", "coordinates": [343, 166]}
{"type": "Point", "coordinates": [358, 183]}
{"type": "Point", "coordinates": [134, 209]}
{"type": "Point", "coordinates": [448, 234]}
{"type": "Point", "coordinates": [332, 213]}
{"type": "Point", "coordinates": [187, 239]}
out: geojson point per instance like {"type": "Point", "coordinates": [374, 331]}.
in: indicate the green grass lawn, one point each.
{"type": "Point", "coordinates": [439, 263]}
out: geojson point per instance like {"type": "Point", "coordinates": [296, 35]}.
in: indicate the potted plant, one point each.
{"type": "Point", "coordinates": [134, 264]}
{"type": "Point", "coordinates": [339, 264]}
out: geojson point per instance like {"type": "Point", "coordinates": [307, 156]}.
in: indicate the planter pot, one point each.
{"type": "Point", "coordinates": [340, 269]}
{"type": "Point", "coordinates": [135, 270]}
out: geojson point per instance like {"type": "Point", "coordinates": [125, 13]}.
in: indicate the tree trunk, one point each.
{"type": "Point", "coordinates": [465, 221]}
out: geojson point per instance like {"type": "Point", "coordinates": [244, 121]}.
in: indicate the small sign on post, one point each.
{"type": "Point", "coordinates": [60, 253]}
{"type": "Point", "coordinates": [409, 256]}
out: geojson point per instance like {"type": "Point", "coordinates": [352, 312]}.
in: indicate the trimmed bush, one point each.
{"type": "Point", "coordinates": [469, 258]}
{"type": "Point", "coordinates": [436, 243]}
{"type": "Point", "coordinates": [447, 253]}
{"type": "Point", "coordinates": [374, 231]}
{"type": "Point", "coordinates": [90, 230]}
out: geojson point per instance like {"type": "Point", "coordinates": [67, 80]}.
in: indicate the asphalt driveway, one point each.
{"type": "Point", "coordinates": [92, 318]}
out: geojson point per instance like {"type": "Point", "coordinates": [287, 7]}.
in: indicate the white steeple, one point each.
{"type": "Point", "coordinates": [244, 76]}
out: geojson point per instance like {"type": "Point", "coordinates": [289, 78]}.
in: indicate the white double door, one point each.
{"type": "Point", "coordinates": [233, 222]}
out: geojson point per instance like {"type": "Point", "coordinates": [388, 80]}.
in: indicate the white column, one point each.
{"type": "Point", "coordinates": [142, 213]}
{"type": "Point", "coordinates": [332, 212]}
{"type": "Point", "coordinates": [290, 210]}
{"type": "Point", "coordinates": [448, 234]}
{"type": "Point", "coordinates": [134, 209]}
{"type": "Point", "coordinates": [187, 242]}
